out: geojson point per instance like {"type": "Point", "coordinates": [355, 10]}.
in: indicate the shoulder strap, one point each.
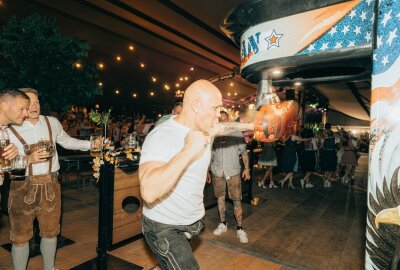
{"type": "Point", "coordinates": [17, 135]}
{"type": "Point", "coordinates": [51, 142]}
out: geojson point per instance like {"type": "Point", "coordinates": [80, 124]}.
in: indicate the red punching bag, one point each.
{"type": "Point", "coordinates": [276, 121]}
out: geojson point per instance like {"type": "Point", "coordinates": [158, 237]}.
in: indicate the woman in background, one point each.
{"type": "Point", "coordinates": [268, 158]}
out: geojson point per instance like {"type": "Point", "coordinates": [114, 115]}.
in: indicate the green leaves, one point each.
{"type": "Point", "coordinates": [98, 117]}
{"type": "Point", "coordinates": [35, 54]}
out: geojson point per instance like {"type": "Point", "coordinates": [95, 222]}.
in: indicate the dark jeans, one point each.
{"type": "Point", "coordinates": [170, 243]}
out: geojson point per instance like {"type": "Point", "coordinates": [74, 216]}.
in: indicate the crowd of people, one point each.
{"type": "Point", "coordinates": [334, 154]}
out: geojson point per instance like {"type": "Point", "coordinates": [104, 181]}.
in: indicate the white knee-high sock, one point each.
{"type": "Point", "coordinates": [20, 256]}
{"type": "Point", "coordinates": [48, 247]}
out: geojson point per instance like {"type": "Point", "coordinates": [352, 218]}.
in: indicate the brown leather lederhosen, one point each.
{"type": "Point", "coordinates": [37, 180]}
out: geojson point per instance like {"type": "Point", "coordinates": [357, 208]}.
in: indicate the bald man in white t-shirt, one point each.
{"type": "Point", "coordinates": [173, 170]}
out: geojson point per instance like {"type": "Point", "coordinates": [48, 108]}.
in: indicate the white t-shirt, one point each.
{"type": "Point", "coordinates": [184, 204]}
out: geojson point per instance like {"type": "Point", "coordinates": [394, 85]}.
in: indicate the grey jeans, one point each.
{"type": "Point", "coordinates": [170, 243]}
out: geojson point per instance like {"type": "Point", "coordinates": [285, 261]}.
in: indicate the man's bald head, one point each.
{"type": "Point", "coordinates": [201, 105]}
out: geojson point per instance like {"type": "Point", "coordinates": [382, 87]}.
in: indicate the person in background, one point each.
{"type": "Point", "coordinates": [328, 157]}
{"type": "Point", "coordinates": [309, 158]}
{"type": "Point", "coordinates": [269, 159]}
{"type": "Point", "coordinates": [225, 171]}
{"type": "Point", "coordinates": [175, 111]}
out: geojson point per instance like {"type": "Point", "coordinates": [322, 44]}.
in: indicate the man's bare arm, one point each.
{"type": "Point", "coordinates": [227, 128]}
{"type": "Point", "coordinates": [245, 158]}
{"type": "Point", "coordinates": [157, 178]}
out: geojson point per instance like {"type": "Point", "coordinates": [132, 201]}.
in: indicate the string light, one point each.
{"type": "Point", "coordinates": [131, 48]}
{"type": "Point", "coordinates": [181, 79]}
{"type": "Point", "coordinates": [297, 83]}
{"type": "Point", "coordinates": [229, 94]}
{"type": "Point", "coordinates": [235, 94]}
{"type": "Point", "coordinates": [192, 68]}
{"type": "Point", "coordinates": [231, 83]}
{"type": "Point", "coordinates": [100, 84]}
{"type": "Point", "coordinates": [186, 78]}
{"type": "Point", "coordinates": [118, 58]}
{"type": "Point", "coordinates": [151, 93]}
{"type": "Point", "coordinates": [177, 85]}
{"type": "Point", "coordinates": [166, 86]}
{"type": "Point", "coordinates": [97, 106]}
{"type": "Point", "coordinates": [134, 95]}
{"type": "Point", "coordinates": [142, 65]}
{"type": "Point", "coordinates": [154, 79]}
{"type": "Point", "coordinates": [117, 91]}
{"type": "Point", "coordinates": [276, 72]}
{"type": "Point", "coordinates": [78, 65]}
{"type": "Point", "coordinates": [100, 66]}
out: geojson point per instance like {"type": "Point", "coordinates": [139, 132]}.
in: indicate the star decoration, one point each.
{"type": "Point", "coordinates": [352, 14]}
{"type": "Point", "coordinates": [351, 44]}
{"type": "Point", "coordinates": [333, 31]}
{"type": "Point", "coordinates": [345, 29]}
{"type": "Point", "coordinates": [357, 30]}
{"type": "Point", "coordinates": [273, 39]}
{"type": "Point", "coordinates": [363, 16]}
{"type": "Point", "coordinates": [368, 2]}
{"type": "Point", "coordinates": [338, 45]}
{"type": "Point", "coordinates": [379, 41]}
{"type": "Point", "coordinates": [386, 18]}
{"type": "Point", "coordinates": [368, 37]}
{"type": "Point", "coordinates": [385, 60]}
{"type": "Point", "coordinates": [324, 46]}
{"type": "Point", "coordinates": [392, 36]}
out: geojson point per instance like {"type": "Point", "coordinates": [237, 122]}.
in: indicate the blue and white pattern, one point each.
{"type": "Point", "coordinates": [355, 29]}
{"type": "Point", "coordinates": [388, 38]}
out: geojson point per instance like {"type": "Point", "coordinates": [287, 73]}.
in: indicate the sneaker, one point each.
{"type": "Point", "coordinates": [264, 186]}
{"type": "Point", "coordinates": [309, 185]}
{"type": "Point", "coordinates": [302, 183]}
{"type": "Point", "coordinates": [326, 183]}
{"type": "Point", "coordinates": [242, 236]}
{"type": "Point", "coordinates": [220, 229]}
{"type": "Point", "coordinates": [259, 184]}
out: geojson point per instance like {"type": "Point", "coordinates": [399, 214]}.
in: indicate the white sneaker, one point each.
{"type": "Point", "coordinates": [302, 183]}
{"type": "Point", "coordinates": [220, 229]}
{"type": "Point", "coordinates": [242, 236]}
{"type": "Point", "coordinates": [326, 183]}
{"type": "Point", "coordinates": [309, 185]}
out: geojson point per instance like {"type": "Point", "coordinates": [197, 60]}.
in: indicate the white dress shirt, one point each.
{"type": "Point", "coordinates": [33, 133]}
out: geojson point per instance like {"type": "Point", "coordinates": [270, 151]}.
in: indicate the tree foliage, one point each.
{"type": "Point", "coordinates": [33, 53]}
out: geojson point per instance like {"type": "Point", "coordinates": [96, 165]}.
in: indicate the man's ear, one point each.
{"type": "Point", "coordinates": [4, 106]}
{"type": "Point", "coordinates": [195, 105]}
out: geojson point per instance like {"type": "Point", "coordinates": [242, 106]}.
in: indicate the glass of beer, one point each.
{"type": "Point", "coordinates": [130, 142]}
{"type": "Point", "coordinates": [5, 164]}
{"type": "Point", "coordinates": [95, 145]}
{"type": "Point", "coordinates": [18, 170]}
{"type": "Point", "coordinates": [44, 145]}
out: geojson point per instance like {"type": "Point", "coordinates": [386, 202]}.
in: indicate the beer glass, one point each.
{"type": "Point", "coordinates": [95, 145]}
{"type": "Point", "coordinates": [18, 167]}
{"type": "Point", "coordinates": [5, 165]}
{"type": "Point", "coordinates": [130, 142]}
{"type": "Point", "coordinates": [44, 144]}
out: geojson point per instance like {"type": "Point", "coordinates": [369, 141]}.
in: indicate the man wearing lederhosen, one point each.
{"type": "Point", "coordinates": [39, 195]}
{"type": "Point", "coordinates": [14, 106]}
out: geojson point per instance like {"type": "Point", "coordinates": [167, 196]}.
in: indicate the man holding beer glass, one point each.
{"type": "Point", "coordinates": [14, 106]}
{"type": "Point", "coordinates": [38, 195]}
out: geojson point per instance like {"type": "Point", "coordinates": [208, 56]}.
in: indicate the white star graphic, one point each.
{"type": "Point", "coordinates": [368, 2]}
{"type": "Point", "coordinates": [324, 46]}
{"type": "Point", "coordinates": [363, 16]}
{"type": "Point", "coordinates": [311, 47]}
{"type": "Point", "coordinates": [352, 14]}
{"type": "Point", "coordinates": [351, 44]}
{"type": "Point", "coordinates": [338, 45]}
{"type": "Point", "coordinates": [398, 15]}
{"type": "Point", "coordinates": [273, 39]}
{"type": "Point", "coordinates": [372, 17]}
{"type": "Point", "coordinates": [392, 36]}
{"type": "Point", "coordinates": [368, 37]}
{"type": "Point", "coordinates": [374, 57]}
{"type": "Point", "coordinates": [386, 18]}
{"type": "Point", "coordinates": [385, 60]}
{"type": "Point", "coordinates": [345, 29]}
{"type": "Point", "coordinates": [357, 30]}
{"type": "Point", "coordinates": [379, 41]}
{"type": "Point", "coordinates": [333, 31]}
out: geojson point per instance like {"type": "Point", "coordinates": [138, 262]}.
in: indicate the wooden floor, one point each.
{"type": "Point", "coordinates": [291, 229]}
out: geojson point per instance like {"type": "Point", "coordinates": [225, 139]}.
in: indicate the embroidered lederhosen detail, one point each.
{"type": "Point", "coordinates": [37, 181]}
